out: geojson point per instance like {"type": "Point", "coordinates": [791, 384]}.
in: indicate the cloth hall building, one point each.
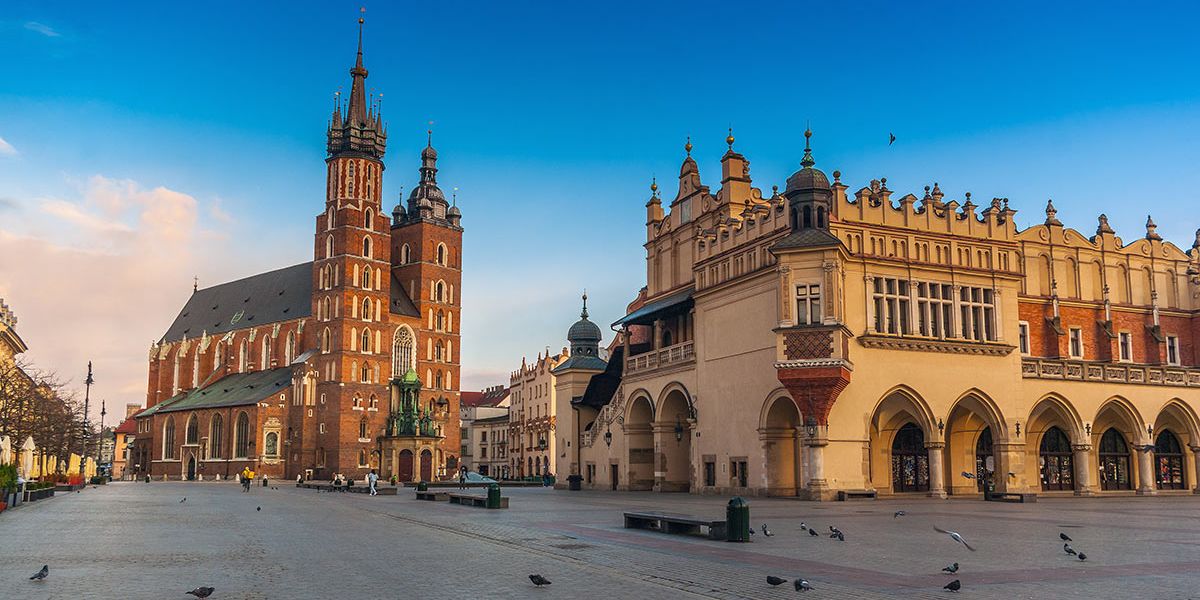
{"type": "Point", "coordinates": [343, 364]}
{"type": "Point", "coordinates": [819, 340]}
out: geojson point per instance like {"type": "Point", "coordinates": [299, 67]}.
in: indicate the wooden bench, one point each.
{"type": "Point", "coordinates": [677, 524]}
{"type": "Point", "coordinates": [432, 496]}
{"type": "Point", "coordinates": [844, 495]}
{"type": "Point", "coordinates": [474, 500]}
{"type": "Point", "coordinates": [1010, 497]}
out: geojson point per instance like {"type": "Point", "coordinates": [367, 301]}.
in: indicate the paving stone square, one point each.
{"type": "Point", "coordinates": [136, 540]}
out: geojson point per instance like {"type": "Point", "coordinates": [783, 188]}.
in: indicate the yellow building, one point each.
{"type": "Point", "coordinates": [532, 417]}
{"type": "Point", "coordinates": [815, 341]}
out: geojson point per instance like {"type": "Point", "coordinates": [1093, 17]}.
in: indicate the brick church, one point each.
{"type": "Point", "coordinates": [343, 364]}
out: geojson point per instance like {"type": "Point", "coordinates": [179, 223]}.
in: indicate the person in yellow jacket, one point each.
{"type": "Point", "coordinates": [247, 476]}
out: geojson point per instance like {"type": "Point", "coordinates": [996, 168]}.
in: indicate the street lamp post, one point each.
{"type": "Point", "coordinates": [100, 444]}
{"type": "Point", "coordinates": [87, 392]}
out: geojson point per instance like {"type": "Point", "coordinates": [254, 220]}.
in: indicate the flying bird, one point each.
{"type": "Point", "coordinates": [891, 138]}
{"type": "Point", "coordinates": [953, 586]}
{"type": "Point", "coordinates": [898, 513]}
{"type": "Point", "coordinates": [538, 580]}
{"type": "Point", "coordinates": [1064, 537]}
{"type": "Point", "coordinates": [1082, 556]}
{"type": "Point", "coordinates": [773, 580]}
{"type": "Point", "coordinates": [40, 575]}
{"type": "Point", "coordinates": [767, 532]}
{"type": "Point", "coordinates": [951, 569]}
{"type": "Point", "coordinates": [812, 532]}
{"type": "Point", "coordinates": [802, 585]}
{"type": "Point", "coordinates": [1069, 550]}
{"type": "Point", "coordinates": [968, 475]}
{"type": "Point", "coordinates": [956, 537]}
{"type": "Point", "coordinates": [202, 592]}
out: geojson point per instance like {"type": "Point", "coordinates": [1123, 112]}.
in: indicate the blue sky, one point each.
{"type": "Point", "coordinates": [550, 118]}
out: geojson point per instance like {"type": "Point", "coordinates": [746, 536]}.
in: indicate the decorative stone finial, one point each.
{"type": "Point", "coordinates": [807, 161]}
{"type": "Point", "coordinates": [775, 193]}
{"type": "Point", "coordinates": [1051, 219]}
{"type": "Point", "coordinates": [729, 139]}
{"type": "Point", "coordinates": [584, 313]}
{"type": "Point", "coordinates": [653, 185]}
{"type": "Point", "coordinates": [1151, 229]}
{"type": "Point", "coordinates": [688, 146]}
{"type": "Point", "coordinates": [837, 176]}
{"type": "Point", "coordinates": [1103, 226]}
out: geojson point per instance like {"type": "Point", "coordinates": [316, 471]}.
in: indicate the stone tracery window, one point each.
{"type": "Point", "coordinates": [403, 350]}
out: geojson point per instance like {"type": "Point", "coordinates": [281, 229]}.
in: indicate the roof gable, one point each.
{"type": "Point", "coordinates": [279, 295]}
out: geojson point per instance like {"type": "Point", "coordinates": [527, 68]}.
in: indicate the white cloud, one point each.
{"type": "Point", "coordinates": [42, 28]}
{"type": "Point", "coordinates": [6, 149]}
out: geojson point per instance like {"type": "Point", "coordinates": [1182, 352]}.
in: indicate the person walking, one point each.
{"type": "Point", "coordinates": [462, 478]}
{"type": "Point", "coordinates": [371, 479]}
{"type": "Point", "coordinates": [245, 477]}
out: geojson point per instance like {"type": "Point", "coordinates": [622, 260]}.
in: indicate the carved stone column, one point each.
{"type": "Point", "coordinates": [937, 475]}
{"type": "Point", "coordinates": [817, 488]}
{"type": "Point", "coordinates": [1083, 470]}
{"type": "Point", "coordinates": [1146, 472]}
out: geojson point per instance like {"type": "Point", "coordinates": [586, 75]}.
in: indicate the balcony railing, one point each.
{"type": "Point", "coordinates": [1053, 368]}
{"type": "Point", "coordinates": [678, 354]}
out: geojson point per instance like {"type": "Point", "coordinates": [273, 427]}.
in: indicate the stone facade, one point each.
{"type": "Point", "coordinates": [532, 446]}
{"type": "Point", "coordinates": [815, 340]}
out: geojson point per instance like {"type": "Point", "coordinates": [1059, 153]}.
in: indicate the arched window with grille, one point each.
{"type": "Point", "coordinates": [215, 434]}
{"type": "Point", "coordinates": [192, 432]}
{"type": "Point", "coordinates": [241, 436]}
{"type": "Point", "coordinates": [1168, 459]}
{"type": "Point", "coordinates": [1055, 457]}
{"type": "Point", "coordinates": [1114, 461]}
{"type": "Point", "coordinates": [910, 460]}
{"type": "Point", "coordinates": [168, 449]}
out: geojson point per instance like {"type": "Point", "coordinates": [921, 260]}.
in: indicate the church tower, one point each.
{"type": "Point", "coordinates": [350, 330]}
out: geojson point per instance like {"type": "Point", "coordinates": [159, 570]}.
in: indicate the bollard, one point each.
{"type": "Point", "coordinates": [737, 520]}
{"type": "Point", "coordinates": [147, 478]}
{"type": "Point", "coordinates": [422, 486]}
{"type": "Point", "coordinates": [493, 499]}
{"type": "Point", "coordinates": [264, 481]}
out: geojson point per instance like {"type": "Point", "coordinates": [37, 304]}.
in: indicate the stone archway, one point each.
{"type": "Point", "coordinates": [1180, 421]}
{"type": "Point", "coordinates": [1116, 427]}
{"type": "Point", "coordinates": [901, 407]}
{"type": "Point", "coordinates": [974, 428]}
{"type": "Point", "coordinates": [639, 444]}
{"type": "Point", "coordinates": [404, 470]}
{"type": "Point", "coordinates": [779, 432]}
{"type": "Point", "coordinates": [673, 442]}
{"type": "Point", "coordinates": [426, 465]}
{"type": "Point", "coordinates": [1046, 458]}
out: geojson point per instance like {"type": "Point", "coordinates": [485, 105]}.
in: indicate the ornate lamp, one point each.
{"type": "Point", "coordinates": [608, 437]}
{"type": "Point", "coordinates": [678, 430]}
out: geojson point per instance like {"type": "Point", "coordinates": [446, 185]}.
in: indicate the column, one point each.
{"type": "Point", "coordinates": [817, 487]}
{"type": "Point", "coordinates": [937, 477]}
{"type": "Point", "coordinates": [1196, 464]}
{"type": "Point", "coordinates": [1146, 472]}
{"type": "Point", "coordinates": [1010, 458]}
{"type": "Point", "coordinates": [1083, 470]}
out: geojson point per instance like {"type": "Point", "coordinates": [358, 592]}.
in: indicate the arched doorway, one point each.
{"type": "Point", "coordinates": [1114, 461]}
{"type": "Point", "coordinates": [674, 443]}
{"type": "Point", "coordinates": [780, 438]}
{"type": "Point", "coordinates": [910, 460]}
{"type": "Point", "coordinates": [985, 461]}
{"type": "Point", "coordinates": [1054, 456]}
{"type": "Point", "coordinates": [426, 465]}
{"type": "Point", "coordinates": [639, 442]}
{"type": "Point", "coordinates": [1168, 459]}
{"type": "Point", "coordinates": [191, 466]}
{"type": "Point", "coordinates": [405, 468]}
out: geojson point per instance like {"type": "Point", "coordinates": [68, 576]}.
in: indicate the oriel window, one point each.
{"type": "Point", "coordinates": [808, 304]}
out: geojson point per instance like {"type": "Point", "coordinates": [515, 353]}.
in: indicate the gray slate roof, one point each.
{"type": "Point", "coordinates": [239, 389]}
{"type": "Point", "coordinates": [581, 361]}
{"type": "Point", "coordinates": [807, 238]}
{"type": "Point", "coordinates": [280, 295]}
{"type": "Point", "coordinates": [401, 304]}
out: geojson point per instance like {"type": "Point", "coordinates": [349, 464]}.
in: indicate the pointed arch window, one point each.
{"type": "Point", "coordinates": [168, 449]}
{"type": "Point", "coordinates": [363, 430]}
{"type": "Point", "coordinates": [1114, 461]}
{"type": "Point", "coordinates": [242, 358]}
{"type": "Point", "coordinates": [191, 434]}
{"type": "Point", "coordinates": [215, 434]}
{"type": "Point", "coordinates": [369, 219]}
{"type": "Point", "coordinates": [439, 292]}
{"type": "Point", "coordinates": [366, 246]}
{"type": "Point", "coordinates": [441, 321]}
{"type": "Point", "coordinates": [366, 281]}
{"type": "Point", "coordinates": [217, 356]}
{"type": "Point", "coordinates": [241, 436]}
{"type": "Point", "coordinates": [350, 179]}
{"type": "Point", "coordinates": [289, 349]}
{"type": "Point", "coordinates": [366, 342]}
{"type": "Point", "coordinates": [1168, 462]}
{"type": "Point", "coordinates": [1055, 457]}
{"type": "Point", "coordinates": [266, 354]}
{"type": "Point", "coordinates": [373, 404]}
{"type": "Point", "coordinates": [366, 309]}
{"type": "Point", "coordinates": [402, 352]}
{"type": "Point", "coordinates": [329, 218]}
{"type": "Point", "coordinates": [405, 253]}
{"type": "Point", "coordinates": [329, 246]}
{"type": "Point", "coordinates": [910, 460]}
{"type": "Point", "coordinates": [441, 254]}
{"type": "Point", "coordinates": [362, 458]}
{"type": "Point", "coordinates": [196, 368]}
{"type": "Point", "coordinates": [325, 341]}
{"type": "Point", "coordinates": [439, 351]}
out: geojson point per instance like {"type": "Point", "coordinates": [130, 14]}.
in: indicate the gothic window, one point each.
{"type": "Point", "coordinates": [191, 433]}
{"type": "Point", "coordinates": [362, 457]}
{"type": "Point", "coordinates": [266, 354]}
{"type": "Point", "coordinates": [325, 341]}
{"type": "Point", "coordinates": [402, 352]}
{"type": "Point", "coordinates": [1054, 454]}
{"type": "Point", "coordinates": [367, 272]}
{"type": "Point", "coordinates": [441, 321]}
{"type": "Point", "coordinates": [241, 436]}
{"type": "Point", "coordinates": [350, 179]}
{"type": "Point", "coordinates": [217, 356]}
{"type": "Point", "coordinates": [271, 444]}
{"type": "Point", "coordinates": [329, 219]}
{"type": "Point", "coordinates": [366, 309]}
{"type": "Point", "coordinates": [910, 460]}
{"type": "Point", "coordinates": [366, 342]}
{"type": "Point", "coordinates": [404, 254]}
{"type": "Point", "coordinates": [168, 450]}
{"type": "Point", "coordinates": [362, 434]}
{"type": "Point", "coordinates": [439, 292]}
{"type": "Point", "coordinates": [329, 247]}
{"type": "Point", "coordinates": [1168, 459]}
{"type": "Point", "coordinates": [369, 219]}
{"type": "Point", "coordinates": [196, 368]}
{"type": "Point", "coordinates": [439, 351]}
{"type": "Point", "coordinates": [438, 380]}
{"type": "Point", "coordinates": [357, 401]}
{"type": "Point", "coordinates": [374, 403]}
{"type": "Point", "coordinates": [214, 437]}
{"type": "Point", "coordinates": [242, 357]}
{"type": "Point", "coordinates": [441, 254]}
{"type": "Point", "coordinates": [289, 350]}
{"type": "Point", "coordinates": [175, 376]}
{"type": "Point", "coordinates": [367, 246]}
{"type": "Point", "coordinates": [365, 374]}
{"type": "Point", "coordinates": [1114, 461]}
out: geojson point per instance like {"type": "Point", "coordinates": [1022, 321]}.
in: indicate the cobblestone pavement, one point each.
{"type": "Point", "coordinates": [134, 540]}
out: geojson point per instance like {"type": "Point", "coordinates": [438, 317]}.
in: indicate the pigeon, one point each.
{"type": "Point", "coordinates": [956, 537]}
{"type": "Point", "coordinates": [538, 580]}
{"type": "Point", "coordinates": [839, 536]}
{"type": "Point", "coordinates": [183, 500]}
{"type": "Point", "coordinates": [1082, 556]}
{"type": "Point", "coordinates": [968, 475]}
{"type": "Point", "coordinates": [951, 569]}
{"type": "Point", "coordinates": [898, 513]}
{"type": "Point", "coordinates": [1064, 537]}
{"type": "Point", "coordinates": [258, 508]}
{"type": "Point", "coordinates": [891, 138]}
{"type": "Point", "coordinates": [833, 529]}
{"type": "Point", "coordinates": [1069, 550]}
{"type": "Point", "coordinates": [767, 532]}
{"type": "Point", "coordinates": [202, 592]}
{"type": "Point", "coordinates": [751, 531]}
{"type": "Point", "coordinates": [953, 586]}
{"type": "Point", "coordinates": [803, 525]}
{"type": "Point", "coordinates": [773, 580]}
{"type": "Point", "coordinates": [813, 532]}
{"type": "Point", "coordinates": [40, 575]}
{"type": "Point", "coordinates": [802, 585]}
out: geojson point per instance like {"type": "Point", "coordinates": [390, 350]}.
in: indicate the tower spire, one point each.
{"type": "Point", "coordinates": [357, 112]}
{"type": "Point", "coordinates": [357, 125]}
{"type": "Point", "coordinates": [584, 313]}
{"type": "Point", "coordinates": [807, 161]}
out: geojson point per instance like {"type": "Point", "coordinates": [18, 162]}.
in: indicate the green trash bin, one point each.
{"type": "Point", "coordinates": [737, 520]}
{"type": "Point", "coordinates": [422, 486]}
{"type": "Point", "coordinates": [493, 499]}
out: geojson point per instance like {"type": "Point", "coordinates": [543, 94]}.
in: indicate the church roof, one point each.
{"type": "Point", "coordinates": [279, 295]}
{"type": "Point", "coordinates": [239, 389]}
{"type": "Point", "coordinates": [807, 238]}
{"type": "Point", "coordinates": [401, 304]}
